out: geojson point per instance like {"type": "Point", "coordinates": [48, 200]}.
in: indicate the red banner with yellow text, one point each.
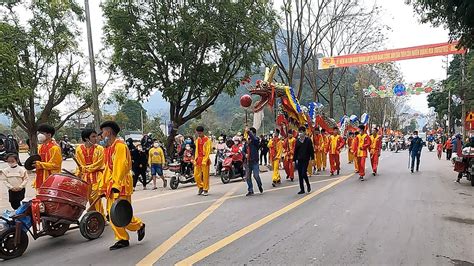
{"type": "Point", "coordinates": [390, 55]}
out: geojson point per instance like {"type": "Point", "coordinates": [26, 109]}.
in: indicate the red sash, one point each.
{"type": "Point", "coordinates": [88, 159]}
{"type": "Point", "coordinates": [45, 157]}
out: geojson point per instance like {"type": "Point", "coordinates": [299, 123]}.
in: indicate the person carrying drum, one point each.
{"type": "Point", "coordinates": [50, 153]}
{"type": "Point", "coordinates": [90, 159]}
{"type": "Point", "coordinates": [118, 182]}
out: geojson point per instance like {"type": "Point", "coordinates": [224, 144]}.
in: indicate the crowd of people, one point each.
{"type": "Point", "coordinates": [113, 167]}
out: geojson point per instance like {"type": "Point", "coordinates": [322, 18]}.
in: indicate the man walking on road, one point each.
{"type": "Point", "coordinates": [90, 159]}
{"type": "Point", "coordinates": [375, 149]}
{"type": "Point", "coordinates": [350, 154]}
{"type": "Point", "coordinates": [276, 147]}
{"type": "Point", "coordinates": [415, 151]}
{"type": "Point", "coordinates": [251, 152]}
{"type": "Point", "coordinates": [118, 183]}
{"type": "Point", "coordinates": [202, 163]}
{"type": "Point", "coordinates": [288, 153]}
{"type": "Point", "coordinates": [304, 152]}
{"type": "Point", "coordinates": [362, 144]}
{"type": "Point", "coordinates": [449, 149]}
{"type": "Point", "coordinates": [334, 147]}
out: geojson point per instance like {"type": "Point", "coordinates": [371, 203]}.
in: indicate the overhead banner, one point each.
{"type": "Point", "coordinates": [389, 55]}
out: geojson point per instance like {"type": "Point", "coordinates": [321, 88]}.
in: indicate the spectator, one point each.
{"type": "Point", "coordinates": [263, 150]}
{"type": "Point", "coordinates": [16, 178]}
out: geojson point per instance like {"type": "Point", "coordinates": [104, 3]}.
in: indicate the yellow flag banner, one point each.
{"type": "Point", "coordinates": [390, 55]}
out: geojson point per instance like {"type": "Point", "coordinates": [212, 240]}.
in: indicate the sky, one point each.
{"type": "Point", "coordinates": [406, 31]}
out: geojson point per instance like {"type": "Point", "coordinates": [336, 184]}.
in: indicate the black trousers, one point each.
{"type": "Point", "coordinates": [449, 152]}
{"type": "Point", "coordinates": [263, 157]}
{"type": "Point", "coordinates": [136, 175]}
{"type": "Point", "coordinates": [15, 198]}
{"type": "Point", "coordinates": [302, 167]}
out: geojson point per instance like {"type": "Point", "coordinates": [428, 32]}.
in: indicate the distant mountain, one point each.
{"type": "Point", "coordinates": [157, 105]}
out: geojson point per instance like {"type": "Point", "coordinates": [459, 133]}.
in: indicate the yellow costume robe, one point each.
{"type": "Point", "coordinates": [51, 161]}
{"type": "Point", "coordinates": [202, 163]}
{"type": "Point", "coordinates": [276, 148]}
{"type": "Point", "coordinates": [91, 161]}
{"type": "Point", "coordinates": [117, 177]}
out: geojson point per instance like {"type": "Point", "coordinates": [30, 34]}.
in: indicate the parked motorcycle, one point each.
{"type": "Point", "coordinates": [231, 167]}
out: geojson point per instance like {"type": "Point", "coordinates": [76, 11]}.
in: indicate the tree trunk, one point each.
{"type": "Point", "coordinates": [33, 148]}
{"type": "Point", "coordinates": [170, 140]}
{"type": "Point", "coordinates": [331, 93]}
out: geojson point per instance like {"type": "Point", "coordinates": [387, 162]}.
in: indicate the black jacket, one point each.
{"type": "Point", "coordinates": [416, 145]}
{"type": "Point", "coordinates": [139, 158]}
{"type": "Point", "coordinates": [304, 151]}
{"type": "Point", "coordinates": [254, 146]}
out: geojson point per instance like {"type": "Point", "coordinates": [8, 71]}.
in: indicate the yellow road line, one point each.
{"type": "Point", "coordinates": [200, 255]}
{"type": "Point", "coordinates": [161, 250]}
{"type": "Point", "coordinates": [231, 197]}
{"type": "Point", "coordinates": [187, 189]}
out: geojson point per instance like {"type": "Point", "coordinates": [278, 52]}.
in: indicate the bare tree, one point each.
{"type": "Point", "coordinates": [301, 29]}
{"type": "Point", "coordinates": [354, 29]}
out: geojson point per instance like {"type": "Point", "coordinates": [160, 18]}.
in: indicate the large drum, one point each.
{"type": "Point", "coordinates": [64, 196]}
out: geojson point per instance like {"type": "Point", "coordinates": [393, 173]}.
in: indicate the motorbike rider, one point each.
{"type": "Point", "coordinates": [237, 155]}
{"type": "Point", "coordinates": [469, 144]}
{"type": "Point", "coordinates": [65, 146]}
{"type": "Point", "coordinates": [221, 149]}
{"type": "Point", "coordinates": [188, 160]}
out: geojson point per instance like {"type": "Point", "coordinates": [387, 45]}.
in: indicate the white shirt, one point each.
{"type": "Point", "coordinates": [16, 177]}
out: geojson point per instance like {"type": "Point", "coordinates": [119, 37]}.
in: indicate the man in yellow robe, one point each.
{"type": "Point", "coordinates": [118, 182]}
{"type": "Point", "coordinates": [202, 163]}
{"type": "Point", "coordinates": [90, 158]}
{"type": "Point", "coordinates": [50, 152]}
{"type": "Point", "coordinates": [276, 148]}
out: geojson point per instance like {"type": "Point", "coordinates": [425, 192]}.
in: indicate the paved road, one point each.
{"type": "Point", "coordinates": [394, 218]}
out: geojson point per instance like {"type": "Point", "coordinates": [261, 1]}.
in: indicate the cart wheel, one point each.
{"type": "Point", "coordinates": [174, 182]}
{"type": "Point", "coordinates": [92, 225]}
{"type": "Point", "coordinates": [7, 244]}
{"type": "Point", "coordinates": [469, 176]}
{"type": "Point", "coordinates": [56, 230]}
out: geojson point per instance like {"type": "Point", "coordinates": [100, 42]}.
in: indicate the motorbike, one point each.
{"type": "Point", "coordinates": [183, 173]}
{"type": "Point", "coordinates": [431, 146]}
{"type": "Point", "coordinates": [384, 145]}
{"type": "Point", "coordinates": [231, 168]}
{"type": "Point", "coordinates": [68, 151]}
{"type": "Point", "coordinates": [464, 164]}
{"type": "Point", "coordinates": [220, 159]}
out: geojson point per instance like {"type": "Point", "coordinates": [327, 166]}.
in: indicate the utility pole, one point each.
{"type": "Point", "coordinates": [463, 94]}
{"type": "Point", "coordinates": [95, 94]}
{"type": "Point", "coordinates": [449, 99]}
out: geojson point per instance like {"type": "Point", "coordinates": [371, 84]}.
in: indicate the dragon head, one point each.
{"type": "Point", "coordinates": [265, 90]}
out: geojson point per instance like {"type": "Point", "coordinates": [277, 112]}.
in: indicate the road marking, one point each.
{"type": "Point", "coordinates": [200, 255]}
{"type": "Point", "coordinates": [232, 197]}
{"type": "Point", "coordinates": [161, 250]}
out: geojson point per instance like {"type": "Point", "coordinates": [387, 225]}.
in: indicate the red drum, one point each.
{"type": "Point", "coordinates": [64, 196]}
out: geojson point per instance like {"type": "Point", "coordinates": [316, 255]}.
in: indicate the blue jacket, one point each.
{"type": "Point", "coordinates": [416, 145]}
{"type": "Point", "coordinates": [254, 143]}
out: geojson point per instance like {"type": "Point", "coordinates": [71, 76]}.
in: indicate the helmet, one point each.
{"type": "Point", "coordinates": [188, 141]}
{"type": "Point", "coordinates": [221, 138]}
{"type": "Point", "coordinates": [236, 138]}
